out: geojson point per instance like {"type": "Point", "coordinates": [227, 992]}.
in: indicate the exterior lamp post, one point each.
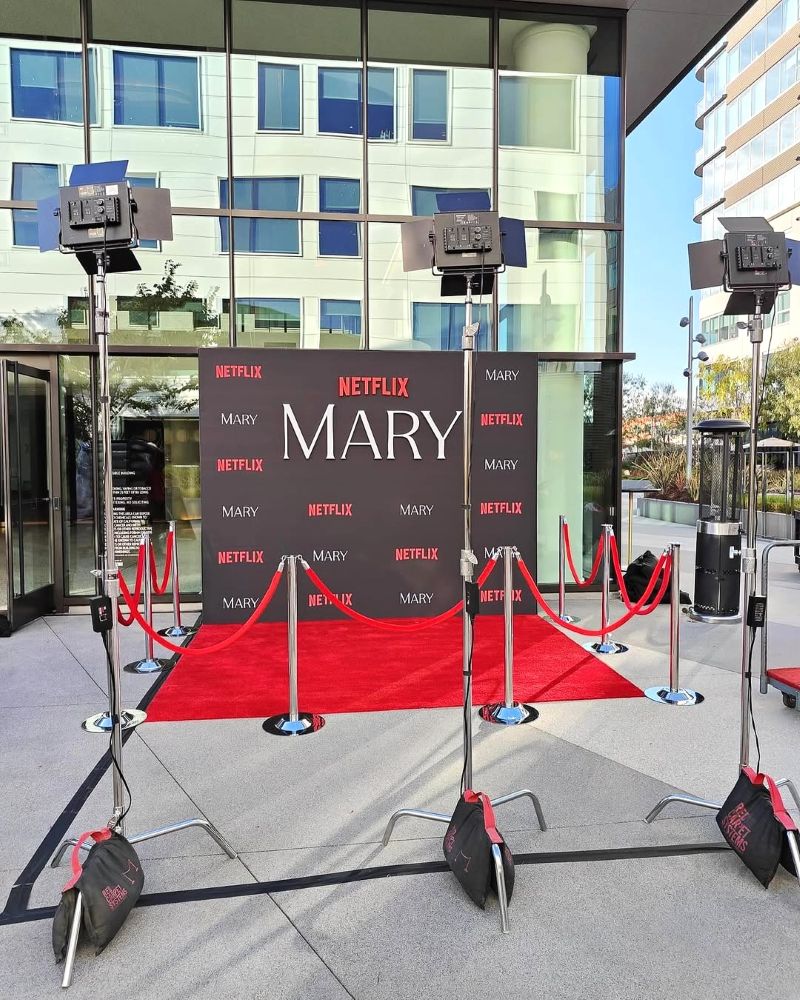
{"type": "Point", "coordinates": [688, 371]}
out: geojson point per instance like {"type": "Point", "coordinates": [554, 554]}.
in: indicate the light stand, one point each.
{"type": "Point", "coordinates": [468, 562]}
{"type": "Point", "coordinates": [749, 567]}
{"type": "Point", "coordinates": [110, 584]}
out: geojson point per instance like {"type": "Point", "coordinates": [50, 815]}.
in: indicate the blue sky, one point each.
{"type": "Point", "coordinates": [659, 204]}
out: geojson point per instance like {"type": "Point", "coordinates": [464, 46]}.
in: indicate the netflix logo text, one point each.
{"type": "Point", "coordinates": [425, 554]}
{"type": "Point", "coordinates": [501, 420]}
{"type": "Point", "coordinates": [330, 510]}
{"type": "Point", "coordinates": [230, 557]}
{"type": "Point", "coordinates": [240, 465]}
{"type": "Point", "coordinates": [501, 507]}
{"type": "Point", "coordinates": [376, 385]}
{"type": "Point", "coordinates": [237, 371]}
{"type": "Point", "coordinates": [499, 595]}
{"type": "Point", "coordinates": [321, 601]}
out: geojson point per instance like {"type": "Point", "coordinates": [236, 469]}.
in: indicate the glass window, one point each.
{"type": "Point", "coordinates": [537, 112]}
{"type": "Point", "coordinates": [30, 182]}
{"type": "Point", "coordinates": [176, 298]}
{"type": "Point", "coordinates": [560, 115]}
{"type": "Point", "coordinates": [339, 239]}
{"type": "Point", "coordinates": [429, 104]}
{"type": "Point", "coordinates": [576, 457]}
{"type": "Point", "coordinates": [423, 199]}
{"type": "Point", "coordinates": [339, 319]}
{"type": "Point", "coordinates": [339, 110]}
{"type": "Point", "coordinates": [151, 90]}
{"type": "Point", "coordinates": [277, 194]}
{"type": "Point", "coordinates": [42, 19]}
{"type": "Point", "coordinates": [268, 322]}
{"type": "Point", "coordinates": [559, 244]}
{"type": "Point", "coordinates": [403, 36]}
{"type": "Point", "coordinates": [340, 101]}
{"type": "Point", "coordinates": [782, 308]}
{"type": "Point", "coordinates": [287, 29]}
{"type": "Point", "coordinates": [440, 325]}
{"type": "Point", "coordinates": [278, 97]}
{"type": "Point", "coordinates": [47, 85]}
{"type": "Point", "coordinates": [565, 304]}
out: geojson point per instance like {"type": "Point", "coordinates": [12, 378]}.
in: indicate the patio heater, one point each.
{"type": "Point", "coordinates": [718, 554]}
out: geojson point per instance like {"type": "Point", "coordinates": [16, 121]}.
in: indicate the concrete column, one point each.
{"type": "Point", "coordinates": [552, 48]}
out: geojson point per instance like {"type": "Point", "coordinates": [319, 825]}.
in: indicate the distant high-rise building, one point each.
{"type": "Point", "coordinates": [749, 160]}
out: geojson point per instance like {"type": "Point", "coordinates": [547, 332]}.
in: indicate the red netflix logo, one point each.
{"type": "Point", "coordinates": [330, 510]}
{"type": "Point", "coordinates": [501, 420]}
{"type": "Point", "coordinates": [240, 465]}
{"type": "Point", "coordinates": [501, 507]}
{"type": "Point", "coordinates": [237, 371]}
{"type": "Point", "coordinates": [403, 554]}
{"type": "Point", "coordinates": [321, 601]}
{"type": "Point", "coordinates": [231, 556]}
{"type": "Point", "coordinates": [498, 595]}
{"type": "Point", "coordinates": [373, 385]}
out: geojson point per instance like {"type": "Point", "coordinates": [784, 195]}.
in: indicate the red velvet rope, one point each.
{"type": "Point", "coordinates": [598, 558]}
{"type": "Point", "coordinates": [393, 626]}
{"type": "Point", "coordinates": [623, 590]}
{"type": "Point", "coordinates": [137, 590]}
{"type": "Point", "coordinates": [664, 564]}
{"type": "Point", "coordinates": [161, 588]}
{"type": "Point", "coordinates": [202, 650]}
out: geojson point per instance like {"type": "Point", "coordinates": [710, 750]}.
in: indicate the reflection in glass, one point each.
{"type": "Point", "coordinates": [176, 298]}
{"type": "Point", "coordinates": [39, 292]}
{"type": "Point", "coordinates": [165, 112]}
{"type": "Point", "coordinates": [576, 448]}
{"type": "Point", "coordinates": [407, 311]}
{"type": "Point", "coordinates": [30, 182]}
{"type": "Point", "coordinates": [281, 299]}
{"type": "Point", "coordinates": [155, 446]}
{"type": "Point", "coordinates": [276, 194]}
{"type": "Point", "coordinates": [47, 84]}
{"type": "Point", "coordinates": [560, 120]}
{"type": "Point", "coordinates": [566, 298]}
{"type": "Point", "coordinates": [77, 476]}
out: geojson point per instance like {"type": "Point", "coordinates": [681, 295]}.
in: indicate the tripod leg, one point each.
{"type": "Point", "coordinates": [72, 946]}
{"type": "Point", "coordinates": [691, 800]}
{"type": "Point", "coordinates": [788, 783]}
{"type": "Point", "coordinates": [791, 836]}
{"type": "Point", "coordinates": [186, 824]}
{"type": "Point", "coordinates": [63, 847]}
{"type": "Point", "coordinates": [417, 814]}
{"type": "Point", "coordinates": [500, 878]}
{"type": "Point", "coordinates": [524, 793]}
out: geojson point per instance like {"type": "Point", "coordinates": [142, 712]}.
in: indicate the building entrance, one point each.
{"type": "Point", "coordinates": [30, 550]}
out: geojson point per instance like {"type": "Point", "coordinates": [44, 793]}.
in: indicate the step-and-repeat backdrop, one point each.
{"type": "Point", "coordinates": [355, 461]}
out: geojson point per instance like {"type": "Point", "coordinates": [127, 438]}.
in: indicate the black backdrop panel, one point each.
{"type": "Point", "coordinates": [354, 460]}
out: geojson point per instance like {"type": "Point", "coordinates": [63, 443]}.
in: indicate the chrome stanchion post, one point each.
{"type": "Point", "coordinates": [296, 723]}
{"type": "Point", "coordinates": [151, 663]}
{"type": "Point", "coordinates": [606, 644]}
{"type": "Point", "coordinates": [468, 561]}
{"type": "Point", "coordinates": [177, 630]}
{"type": "Point", "coordinates": [508, 712]}
{"type": "Point", "coordinates": [72, 945]}
{"type": "Point", "coordinates": [562, 614]}
{"type": "Point", "coordinates": [674, 694]}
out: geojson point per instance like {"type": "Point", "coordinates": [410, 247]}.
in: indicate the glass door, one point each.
{"type": "Point", "coordinates": [27, 531]}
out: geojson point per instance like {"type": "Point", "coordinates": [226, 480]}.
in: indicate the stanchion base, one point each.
{"type": "Point", "coordinates": [665, 696]}
{"type": "Point", "coordinates": [606, 648]}
{"type": "Point", "coordinates": [505, 715]}
{"type": "Point", "coordinates": [569, 619]}
{"type": "Point", "coordinates": [101, 723]}
{"type": "Point", "coordinates": [177, 631]}
{"type": "Point", "coordinates": [148, 666]}
{"type": "Point", "coordinates": [282, 725]}
{"type": "Point", "coordinates": [700, 616]}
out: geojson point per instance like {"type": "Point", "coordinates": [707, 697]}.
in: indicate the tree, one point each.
{"type": "Point", "coordinates": [167, 295]}
{"type": "Point", "coordinates": [652, 414]}
{"type": "Point", "coordinates": [726, 389]}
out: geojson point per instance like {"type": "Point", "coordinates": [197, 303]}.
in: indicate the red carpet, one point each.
{"type": "Point", "coordinates": [348, 667]}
